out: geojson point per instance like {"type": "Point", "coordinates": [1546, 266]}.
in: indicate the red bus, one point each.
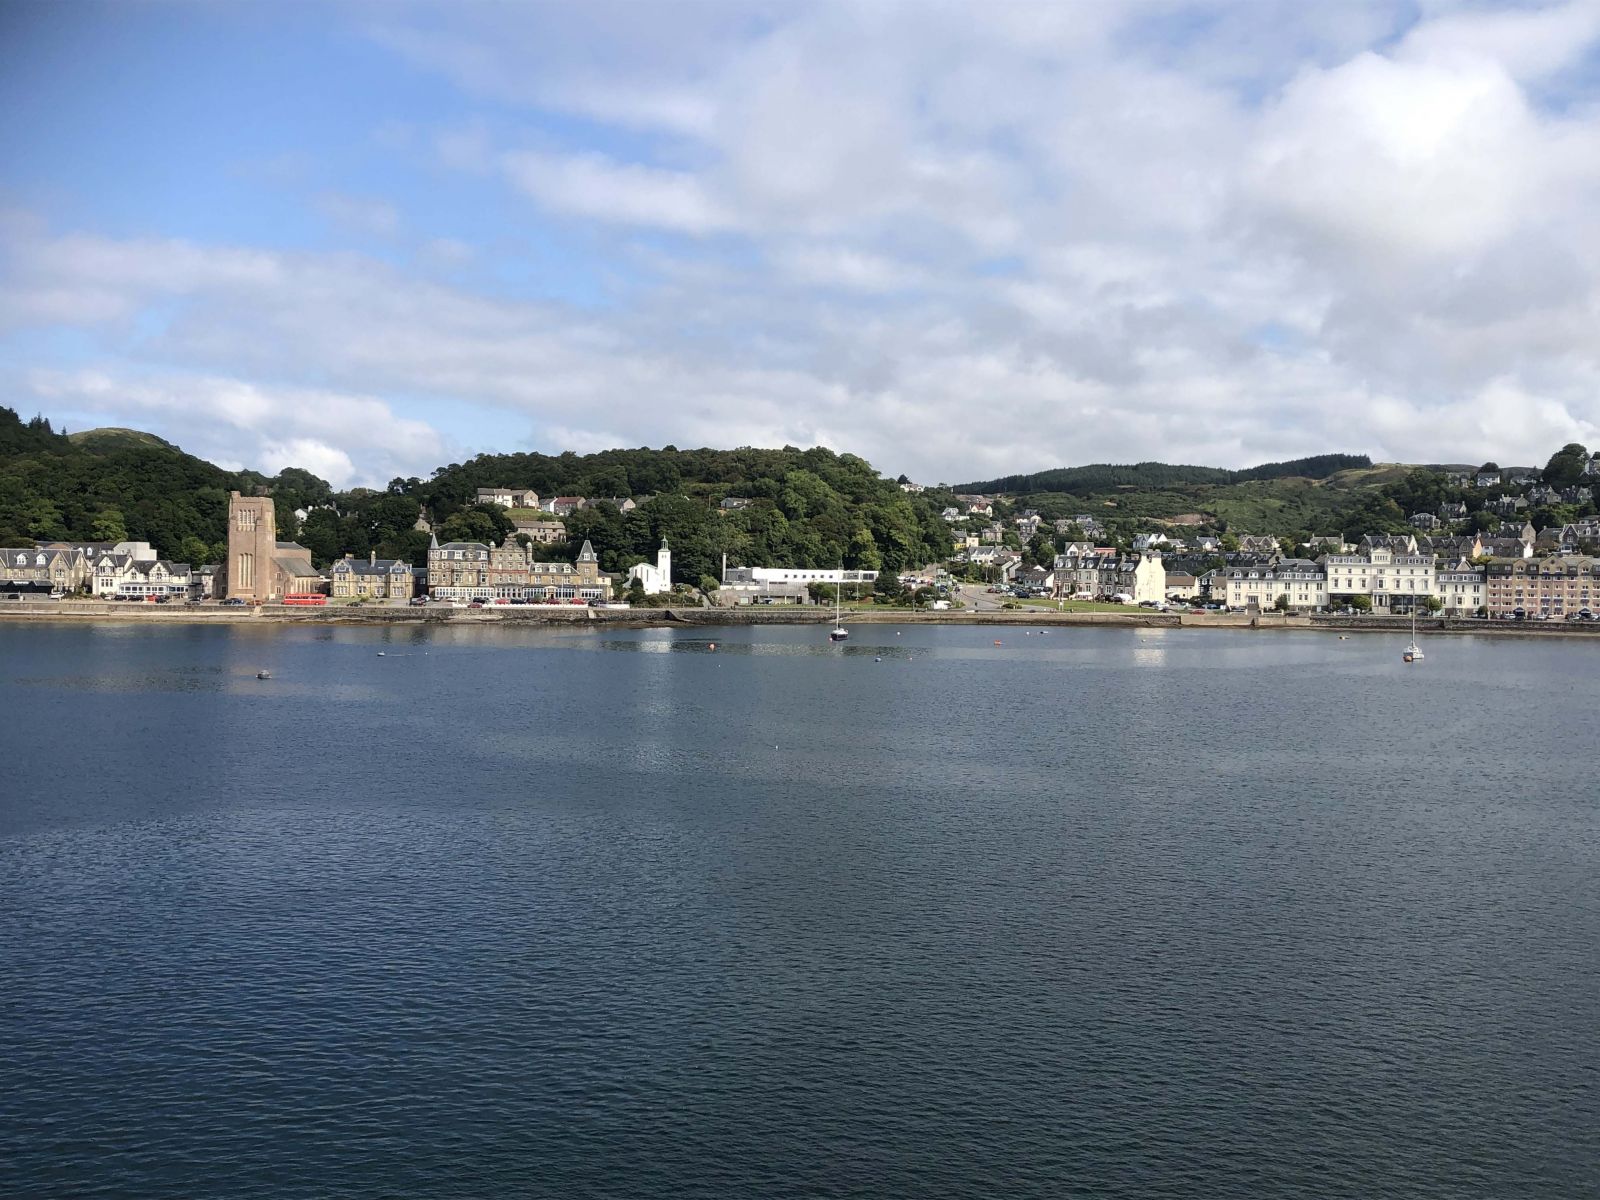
{"type": "Point", "coordinates": [310, 598]}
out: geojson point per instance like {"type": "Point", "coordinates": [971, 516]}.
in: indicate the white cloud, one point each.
{"type": "Point", "coordinates": [266, 427]}
{"type": "Point", "coordinates": [960, 240]}
{"type": "Point", "coordinates": [591, 185]}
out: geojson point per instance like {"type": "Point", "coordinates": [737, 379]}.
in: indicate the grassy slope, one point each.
{"type": "Point", "coordinates": [113, 438]}
{"type": "Point", "coordinates": [1264, 506]}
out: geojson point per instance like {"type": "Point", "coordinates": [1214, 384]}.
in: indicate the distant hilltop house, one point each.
{"type": "Point", "coordinates": [563, 506]}
{"type": "Point", "coordinates": [540, 529]}
{"type": "Point", "coordinates": [1258, 544]}
{"type": "Point", "coordinates": [735, 503]}
{"type": "Point", "coordinates": [913, 488]}
{"type": "Point", "coordinates": [1399, 543]}
{"type": "Point", "coordinates": [509, 497]}
{"type": "Point", "coordinates": [1086, 525]}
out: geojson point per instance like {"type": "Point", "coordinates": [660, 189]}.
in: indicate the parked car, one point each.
{"type": "Point", "coordinates": [233, 602]}
{"type": "Point", "coordinates": [417, 601]}
{"type": "Point", "coordinates": [476, 604]}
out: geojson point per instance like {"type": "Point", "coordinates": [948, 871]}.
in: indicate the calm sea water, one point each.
{"type": "Point", "coordinates": [521, 913]}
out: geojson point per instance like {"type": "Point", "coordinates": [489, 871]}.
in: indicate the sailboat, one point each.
{"type": "Point", "coordinates": [1413, 652]}
{"type": "Point", "coordinates": [839, 632]}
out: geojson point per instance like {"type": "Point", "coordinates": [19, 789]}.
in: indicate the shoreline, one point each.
{"type": "Point", "coordinates": [69, 611]}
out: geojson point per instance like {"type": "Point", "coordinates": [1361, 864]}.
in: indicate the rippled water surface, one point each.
{"type": "Point", "coordinates": [1089, 913]}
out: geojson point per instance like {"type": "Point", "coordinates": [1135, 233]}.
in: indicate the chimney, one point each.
{"type": "Point", "coordinates": [372, 559]}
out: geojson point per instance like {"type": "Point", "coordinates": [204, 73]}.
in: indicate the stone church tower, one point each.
{"type": "Point", "coordinates": [252, 544]}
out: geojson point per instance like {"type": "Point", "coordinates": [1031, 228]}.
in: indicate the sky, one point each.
{"type": "Point", "coordinates": [958, 239]}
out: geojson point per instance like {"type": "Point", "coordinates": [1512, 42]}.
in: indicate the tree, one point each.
{"type": "Point", "coordinates": [1566, 465]}
{"type": "Point", "coordinates": [486, 523]}
{"type": "Point", "coordinates": [110, 526]}
{"type": "Point", "coordinates": [1282, 602]}
{"type": "Point", "coordinates": [1229, 543]}
{"type": "Point", "coordinates": [1433, 604]}
{"type": "Point", "coordinates": [888, 589]}
{"type": "Point", "coordinates": [1362, 604]}
{"type": "Point", "coordinates": [194, 552]}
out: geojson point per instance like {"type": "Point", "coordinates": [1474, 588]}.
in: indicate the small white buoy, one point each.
{"type": "Point", "coordinates": [877, 660]}
{"type": "Point", "coordinates": [380, 654]}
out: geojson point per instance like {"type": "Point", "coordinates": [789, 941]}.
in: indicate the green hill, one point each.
{"type": "Point", "coordinates": [113, 438]}
{"type": "Point", "coordinates": [1099, 477]}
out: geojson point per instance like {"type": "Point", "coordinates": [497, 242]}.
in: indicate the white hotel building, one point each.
{"type": "Point", "coordinates": [1302, 582]}
{"type": "Point", "coordinates": [1392, 580]}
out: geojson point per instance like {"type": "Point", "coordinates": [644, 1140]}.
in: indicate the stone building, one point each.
{"type": "Point", "coordinates": [371, 579]}
{"type": "Point", "coordinates": [542, 530]}
{"type": "Point", "coordinates": [477, 571]}
{"type": "Point", "coordinates": [44, 568]}
{"type": "Point", "coordinates": [259, 567]}
{"type": "Point", "coordinates": [509, 497]}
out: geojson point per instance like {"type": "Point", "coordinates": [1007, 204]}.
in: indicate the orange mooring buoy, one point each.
{"type": "Point", "coordinates": [711, 645]}
{"type": "Point", "coordinates": [997, 642]}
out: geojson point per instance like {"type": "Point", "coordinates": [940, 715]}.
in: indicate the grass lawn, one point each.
{"type": "Point", "coordinates": [1077, 606]}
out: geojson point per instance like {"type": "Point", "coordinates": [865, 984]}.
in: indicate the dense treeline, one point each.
{"type": "Point", "coordinates": [1104, 477]}
{"type": "Point", "coordinates": [109, 490]}
{"type": "Point", "coordinates": [809, 508]}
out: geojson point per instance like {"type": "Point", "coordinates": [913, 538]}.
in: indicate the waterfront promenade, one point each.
{"type": "Point", "coordinates": [211, 614]}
